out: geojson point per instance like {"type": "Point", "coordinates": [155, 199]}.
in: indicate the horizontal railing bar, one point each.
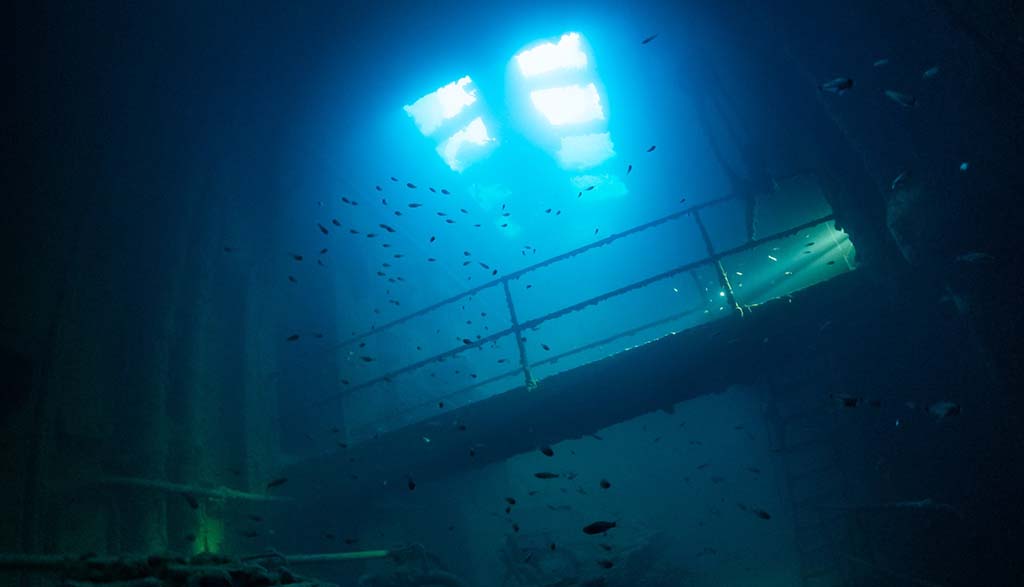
{"type": "Point", "coordinates": [670, 273]}
{"type": "Point", "coordinates": [614, 337]}
{"type": "Point", "coordinates": [529, 324]}
{"type": "Point", "coordinates": [519, 273]}
{"type": "Point", "coordinates": [513, 372]}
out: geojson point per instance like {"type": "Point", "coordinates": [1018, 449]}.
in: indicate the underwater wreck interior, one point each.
{"type": "Point", "coordinates": [539, 294]}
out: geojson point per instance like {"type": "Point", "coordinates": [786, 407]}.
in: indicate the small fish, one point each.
{"type": "Point", "coordinates": [411, 484]}
{"type": "Point", "coordinates": [905, 100]}
{"type": "Point", "coordinates": [510, 500]}
{"type": "Point", "coordinates": [629, 169]}
{"type": "Point", "coordinates": [880, 63]}
{"type": "Point", "coordinates": [606, 547]}
{"type": "Point", "coordinates": [366, 359]}
{"type": "Point", "coordinates": [335, 222]}
{"type": "Point", "coordinates": [545, 475]}
{"type": "Point", "coordinates": [545, 347]}
{"type": "Point", "coordinates": [649, 39]}
{"type": "Point", "coordinates": [411, 186]}
{"type": "Point", "coordinates": [386, 227]}
{"type": "Point", "coordinates": [277, 482]}
{"type": "Point", "coordinates": [605, 484]}
{"type": "Point", "coordinates": [353, 231]}
{"type": "Point", "coordinates": [379, 189]}
{"type": "Point", "coordinates": [445, 192]}
{"type": "Point", "coordinates": [394, 178]}
{"type": "Point", "coordinates": [296, 257]}
{"type": "Point", "coordinates": [433, 238]}
{"type": "Point", "coordinates": [515, 527]}
{"type": "Point", "coordinates": [605, 564]}
{"type": "Point", "coordinates": [596, 229]}
{"type": "Point", "coordinates": [292, 279]}
{"type": "Point", "coordinates": [652, 148]}
{"type": "Point", "coordinates": [898, 181]}
{"type": "Point", "coordinates": [757, 512]}
{"type": "Point", "coordinates": [346, 200]}
{"type": "Point", "coordinates": [450, 221]}
{"type": "Point", "coordinates": [944, 409]}
{"type": "Point", "coordinates": [552, 546]}
{"type": "Point", "coordinates": [293, 338]}
{"type": "Point", "coordinates": [414, 205]}
{"type": "Point", "coordinates": [838, 86]}
{"type": "Point", "coordinates": [322, 228]}
{"type": "Point", "coordinates": [546, 450]}
{"type": "Point", "coordinates": [847, 401]}
{"type": "Point", "coordinates": [229, 250]}
{"type": "Point", "coordinates": [323, 251]}
{"type": "Point", "coordinates": [432, 190]}
{"type": "Point", "coordinates": [192, 501]}
{"type": "Point", "coordinates": [930, 72]}
{"type": "Point", "coordinates": [590, 188]}
{"type": "Point", "coordinates": [599, 527]}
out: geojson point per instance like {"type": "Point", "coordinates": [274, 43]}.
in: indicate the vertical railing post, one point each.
{"type": "Point", "coordinates": [517, 332]}
{"type": "Point", "coordinates": [723, 277]}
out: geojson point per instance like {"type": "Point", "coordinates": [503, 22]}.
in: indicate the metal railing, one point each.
{"type": "Point", "coordinates": [712, 259]}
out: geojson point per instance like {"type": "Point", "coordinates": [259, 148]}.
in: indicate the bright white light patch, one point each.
{"type": "Point", "coordinates": [430, 111]}
{"type": "Point", "coordinates": [474, 133]}
{"type": "Point", "coordinates": [569, 104]}
{"type": "Point", "coordinates": [585, 151]}
{"type": "Point", "coordinates": [549, 56]}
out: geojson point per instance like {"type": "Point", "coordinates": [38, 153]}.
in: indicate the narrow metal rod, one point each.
{"type": "Point", "coordinates": [518, 333]}
{"type": "Point", "coordinates": [553, 359]}
{"type": "Point", "coordinates": [168, 487]}
{"type": "Point", "coordinates": [723, 277]}
{"type": "Point", "coordinates": [300, 559]}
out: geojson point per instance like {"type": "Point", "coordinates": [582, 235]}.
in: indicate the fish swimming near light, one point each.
{"type": "Point", "coordinates": [905, 100]}
{"type": "Point", "coordinates": [880, 63]}
{"type": "Point", "coordinates": [931, 72]}
{"type": "Point", "coordinates": [838, 86]}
